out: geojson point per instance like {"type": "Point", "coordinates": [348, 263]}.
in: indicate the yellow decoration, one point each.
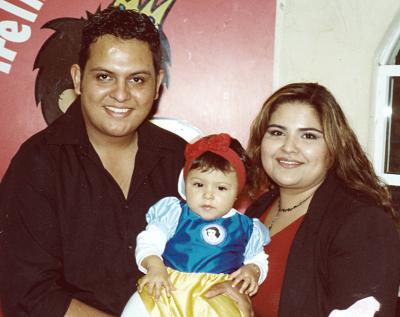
{"type": "Point", "coordinates": [149, 7]}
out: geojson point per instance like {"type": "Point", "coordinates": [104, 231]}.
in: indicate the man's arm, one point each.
{"type": "Point", "coordinates": [79, 309]}
{"type": "Point", "coordinates": [31, 270]}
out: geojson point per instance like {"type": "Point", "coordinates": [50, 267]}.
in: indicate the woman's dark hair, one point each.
{"type": "Point", "coordinates": [348, 160]}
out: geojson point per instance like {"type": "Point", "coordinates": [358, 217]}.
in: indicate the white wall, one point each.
{"type": "Point", "coordinates": [334, 43]}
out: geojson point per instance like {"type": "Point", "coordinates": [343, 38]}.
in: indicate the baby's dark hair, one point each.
{"type": "Point", "coordinates": [211, 161]}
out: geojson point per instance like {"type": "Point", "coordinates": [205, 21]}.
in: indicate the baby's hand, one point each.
{"type": "Point", "coordinates": [248, 274]}
{"type": "Point", "coordinates": [155, 279]}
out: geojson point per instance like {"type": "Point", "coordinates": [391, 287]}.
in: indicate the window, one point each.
{"type": "Point", "coordinates": [386, 116]}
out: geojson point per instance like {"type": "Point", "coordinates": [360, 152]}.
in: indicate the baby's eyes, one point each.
{"type": "Point", "coordinates": [197, 184]}
{"type": "Point", "coordinates": [222, 188]}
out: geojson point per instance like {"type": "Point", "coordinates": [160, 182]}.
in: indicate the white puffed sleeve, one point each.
{"type": "Point", "coordinates": [162, 220]}
{"type": "Point", "coordinates": [254, 252]}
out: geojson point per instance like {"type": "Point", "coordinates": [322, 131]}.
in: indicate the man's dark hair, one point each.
{"type": "Point", "coordinates": [124, 24]}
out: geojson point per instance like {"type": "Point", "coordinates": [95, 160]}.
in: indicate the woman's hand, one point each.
{"type": "Point", "coordinates": [242, 300]}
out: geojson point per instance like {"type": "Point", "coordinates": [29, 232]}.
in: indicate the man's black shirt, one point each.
{"type": "Point", "coordinates": [66, 229]}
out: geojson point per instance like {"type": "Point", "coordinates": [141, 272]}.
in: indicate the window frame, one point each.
{"type": "Point", "coordinates": [383, 109]}
{"type": "Point", "coordinates": [385, 69]}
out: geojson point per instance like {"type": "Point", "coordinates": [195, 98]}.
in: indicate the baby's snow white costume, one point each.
{"type": "Point", "coordinates": [199, 254]}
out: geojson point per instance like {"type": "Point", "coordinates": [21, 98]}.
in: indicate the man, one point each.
{"type": "Point", "coordinates": [75, 195]}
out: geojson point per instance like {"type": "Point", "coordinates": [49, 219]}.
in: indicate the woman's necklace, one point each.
{"type": "Point", "coordinates": [291, 208]}
{"type": "Point", "coordinates": [276, 216]}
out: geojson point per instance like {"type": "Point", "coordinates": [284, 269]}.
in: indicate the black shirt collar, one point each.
{"type": "Point", "coordinates": [70, 129]}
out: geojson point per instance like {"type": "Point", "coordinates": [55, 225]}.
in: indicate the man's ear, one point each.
{"type": "Point", "coordinates": [159, 81]}
{"type": "Point", "coordinates": [76, 78]}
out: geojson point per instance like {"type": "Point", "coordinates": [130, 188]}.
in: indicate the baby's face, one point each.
{"type": "Point", "coordinates": [211, 194]}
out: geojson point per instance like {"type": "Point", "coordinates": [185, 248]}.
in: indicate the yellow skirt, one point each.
{"type": "Point", "coordinates": [188, 300]}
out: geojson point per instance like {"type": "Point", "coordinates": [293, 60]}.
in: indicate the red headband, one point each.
{"type": "Point", "coordinates": [218, 144]}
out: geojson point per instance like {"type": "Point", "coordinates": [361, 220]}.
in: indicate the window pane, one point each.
{"type": "Point", "coordinates": [392, 157]}
{"type": "Point", "coordinates": [397, 60]}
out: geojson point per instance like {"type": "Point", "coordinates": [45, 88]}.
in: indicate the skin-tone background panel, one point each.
{"type": "Point", "coordinates": [221, 54]}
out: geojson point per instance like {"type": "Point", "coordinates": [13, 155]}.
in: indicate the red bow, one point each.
{"type": "Point", "coordinates": [219, 143]}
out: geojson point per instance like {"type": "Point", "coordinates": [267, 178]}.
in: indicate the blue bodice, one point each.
{"type": "Point", "coordinates": [212, 246]}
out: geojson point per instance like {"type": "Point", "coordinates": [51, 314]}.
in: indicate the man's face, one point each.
{"type": "Point", "coordinates": [118, 87]}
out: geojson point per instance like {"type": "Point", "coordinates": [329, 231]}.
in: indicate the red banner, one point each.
{"type": "Point", "coordinates": [221, 55]}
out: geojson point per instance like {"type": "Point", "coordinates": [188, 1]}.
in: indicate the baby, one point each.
{"type": "Point", "coordinates": [189, 246]}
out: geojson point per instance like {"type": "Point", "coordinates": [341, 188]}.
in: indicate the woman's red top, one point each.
{"type": "Point", "coordinates": [266, 301]}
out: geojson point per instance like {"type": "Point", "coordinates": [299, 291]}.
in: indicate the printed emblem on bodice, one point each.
{"type": "Point", "coordinates": [213, 233]}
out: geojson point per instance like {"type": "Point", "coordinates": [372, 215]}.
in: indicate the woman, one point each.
{"type": "Point", "coordinates": [332, 223]}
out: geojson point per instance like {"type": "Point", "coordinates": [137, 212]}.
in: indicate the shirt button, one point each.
{"type": "Point", "coordinates": [130, 247]}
